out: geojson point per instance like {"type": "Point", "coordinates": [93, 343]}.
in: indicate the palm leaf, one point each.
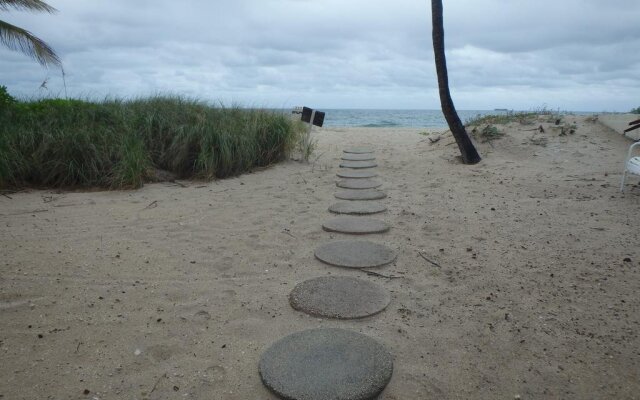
{"type": "Point", "coordinates": [22, 40]}
{"type": "Point", "coordinates": [26, 5]}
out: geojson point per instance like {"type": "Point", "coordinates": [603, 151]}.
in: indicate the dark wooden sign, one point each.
{"type": "Point", "coordinates": [318, 117]}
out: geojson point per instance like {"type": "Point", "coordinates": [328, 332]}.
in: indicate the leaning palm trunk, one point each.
{"type": "Point", "coordinates": [16, 38]}
{"type": "Point", "coordinates": [467, 149]}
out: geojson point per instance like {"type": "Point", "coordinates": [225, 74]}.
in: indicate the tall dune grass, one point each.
{"type": "Point", "coordinates": [119, 144]}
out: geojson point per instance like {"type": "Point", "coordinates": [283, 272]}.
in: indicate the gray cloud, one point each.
{"type": "Point", "coordinates": [574, 54]}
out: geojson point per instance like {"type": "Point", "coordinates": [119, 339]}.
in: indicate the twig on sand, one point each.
{"type": "Point", "coordinates": [286, 232]}
{"type": "Point", "coordinates": [431, 261]}
{"type": "Point", "coordinates": [178, 183]}
{"type": "Point", "coordinates": [6, 193]}
{"type": "Point", "coordinates": [584, 179]}
{"type": "Point", "coordinates": [30, 212]}
{"type": "Point", "coordinates": [153, 204]}
{"type": "Point", "coordinates": [371, 273]}
{"type": "Point", "coordinates": [157, 382]}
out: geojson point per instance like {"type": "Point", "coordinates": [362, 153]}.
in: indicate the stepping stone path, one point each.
{"type": "Point", "coordinates": [326, 364]}
{"type": "Point", "coordinates": [337, 364]}
{"type": "Point", "coordinates": [351, 174]}
{"type": "Point", "coordinates": [358, 184]}
{"type": "Point", "coordinates": [357, 150]}
{"type": "Point", "coordinates": [355, 254]}
{"type": "Point", "coordinates": [355, 225]}
{"type": "Point", "coordinates": [341, 297]}
{"type": "Point", "coordinates": [358, 157]}
{"type": "Point", "coordinates": [358, 164]}
{"type": "Point", "coordinates": [360, 195]}
{"type": "Point", "coordinates": [357, 207]}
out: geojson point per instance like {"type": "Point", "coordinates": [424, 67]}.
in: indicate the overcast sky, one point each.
{"type": "Point", "coordinates": [581, 55]}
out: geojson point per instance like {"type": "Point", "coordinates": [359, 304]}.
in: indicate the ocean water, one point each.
{"type": "Point", "coordinates": [395, 118]}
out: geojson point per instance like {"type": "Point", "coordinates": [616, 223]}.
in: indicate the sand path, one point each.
{"type": "Point", "coordinates": [165, 290]}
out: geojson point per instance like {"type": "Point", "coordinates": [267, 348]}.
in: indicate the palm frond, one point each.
{"type": "Point", "coordinates": [22, 40]}
{"type": "Point", "coordinates": [26, 5]}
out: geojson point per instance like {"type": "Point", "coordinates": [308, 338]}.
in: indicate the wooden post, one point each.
{"type": "Point", "coordinates": [307, 138]}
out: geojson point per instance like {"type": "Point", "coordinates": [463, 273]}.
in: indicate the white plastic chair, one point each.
{"type": "Point", "coordinates": [631, 165]}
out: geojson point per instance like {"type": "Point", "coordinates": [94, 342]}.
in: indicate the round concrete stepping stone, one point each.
{"type": "Point", "coordinates": [355, 225]}
{"type": "Point", "coordinates": [358, 164]}
{"type": "Point", "coordinates": [357, 207]}
{"type": "Point", "coordinates": [368, 194]}
{"type": "Point", "coordinates": [355, 254]}
{"type": "Point", "coordinates": [352, 174]}
{"type": "Point", "coordinates": [326, 364]}
{"type": "Point", "coordinates": [358, 150]}
{"type": "Point", "coordinates": [341, 297]}
{"type": "Point", "coordinates": [358, 184]}
{"type": "Point", "coordinates": [358, 157]}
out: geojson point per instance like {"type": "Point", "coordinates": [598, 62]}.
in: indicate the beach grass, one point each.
{"type": "Point", "coordinates": [124, 143]}
{"type": "Point", "coordinates": [521, 117]}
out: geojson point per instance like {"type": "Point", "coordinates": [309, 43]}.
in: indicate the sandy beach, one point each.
{"type": "Point", "coordinates": [175, 290]}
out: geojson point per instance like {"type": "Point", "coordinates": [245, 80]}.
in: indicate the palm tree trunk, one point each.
{"type": "Point", "coordinates": [467, 149]}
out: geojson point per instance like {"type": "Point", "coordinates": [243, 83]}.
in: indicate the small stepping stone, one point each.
{"type": "Point", "coordinates": [358, 164]}
{"type": "Point", "coordinates": [358, 150]}
{"type": "Point", "coordinates": [357, 207]}
{"type": "Point", "coordinates": [355, 254]}
{"type": "Point", "coordinates": [360, 195]}
{"type": "Point", "coordinates": [358, 157]}
{"type": "Point", "coordinates": [355, 225]}
{"type": "Point", "coordinates": [326, 364]}
{"type": "Point", "coordinates": [351, 174]}
{"type": "Point", "coordinates": [358, 184]}
{"type": "Point", "coordinates": [341, 297]}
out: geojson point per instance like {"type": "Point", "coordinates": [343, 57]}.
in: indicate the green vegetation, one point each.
{"type": "Point", "coordinates": [521, 117]}
{"type": "Point", "coordinates": [487, 134]}
{"type": "Point", "coordinates": [122, 144]}
{"type": "Point", "coordinates": [635, 110]}
{"type": "Point", "coordinates": [6, 100]}
{"type": "Point", "coordinates": [524, 118]}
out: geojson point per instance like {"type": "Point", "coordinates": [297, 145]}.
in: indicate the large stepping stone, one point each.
{"type": "Point", "coordinates": [355, 254]}
{"type": "Point", "coordinates": [358, 157]}
{"type": "Point", "coordinates": [360, 195]}
{"type": "Point", "coordinates": [358, 150]}
{"type": "Point", "coordinates": [326, 364]}
{"type": "Point", "coordinates": [357, 207]}
{"type": "Point", "coordinates": [355, 225]}
{"type": "Point", "coordinates": [341, 297]}
{"type": "Point", "coordinates": [358, 164]}
{"type": "Point", "coordinates": [351, 174]}
{"type": "Point", "coordinates": [358, 184]}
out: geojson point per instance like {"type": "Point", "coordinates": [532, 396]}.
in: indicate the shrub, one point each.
{"type": "Point", "coordinates": [117, 143]}
{"type": "Point", "coordinates": [6, 99]}
{"type": "Point", "coordinates": [487, 134]}
{"type": "Point", "coordinates": [521, 117]}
